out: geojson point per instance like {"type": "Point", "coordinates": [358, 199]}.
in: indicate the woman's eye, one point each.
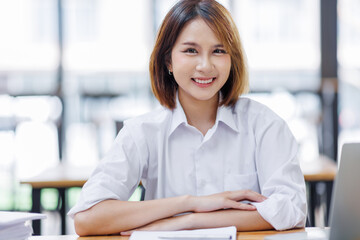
{"type": "Point", "coordinates": [220, 51]}
{"type": "Point", "coordinates": [190, 50]}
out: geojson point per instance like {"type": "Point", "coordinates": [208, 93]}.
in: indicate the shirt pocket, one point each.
{"type": "Point", "coordinates": [235, 182]}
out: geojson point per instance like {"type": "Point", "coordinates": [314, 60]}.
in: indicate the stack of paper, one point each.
{"type": "Point", "coordinates": [15, 225]}
{"type": "Point", "coordinates": [226, 233]}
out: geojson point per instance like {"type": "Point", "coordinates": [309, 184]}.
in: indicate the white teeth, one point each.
{"type": "Point", "coordinates": [203, 81]}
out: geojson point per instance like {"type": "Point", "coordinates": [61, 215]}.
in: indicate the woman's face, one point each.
{"type": "Point", "coordinates": [199, 62]}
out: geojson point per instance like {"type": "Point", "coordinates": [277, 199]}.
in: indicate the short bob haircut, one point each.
{"type": "Point", "coordinates": [220, 21]}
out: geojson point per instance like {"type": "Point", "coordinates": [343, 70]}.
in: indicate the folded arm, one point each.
{"type": "Point", "coordinates": [114, 216]}
{"type": "Point", "coordinates": [243, 220]}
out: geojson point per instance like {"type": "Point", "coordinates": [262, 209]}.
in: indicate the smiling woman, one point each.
{"type": "Point", "coordinates": [198, 59]}
{"type": "Point", "coordinates": [200, 66]}
{"type": "Point", "coordinates": [225, 39]}
{"type": "Point", "coordinates": [207, 152]}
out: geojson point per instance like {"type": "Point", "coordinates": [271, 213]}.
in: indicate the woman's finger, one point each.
{"type": "Point", "coordinates": [240, 206]}
{"type": "Point", "coordinates": [247, 195]}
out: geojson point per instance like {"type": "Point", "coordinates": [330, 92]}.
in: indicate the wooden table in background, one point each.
{"type": "Point", "coordinates": [321, 171]}
{"type": "Point", "coordinates": [63, 177]}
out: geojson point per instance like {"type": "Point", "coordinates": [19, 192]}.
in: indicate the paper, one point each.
{"type": "Point", "coordinates": [226, 233]}
{"type": "Point", "coordinates": [11, 218]}
{"type": "Point", "coordinates": [14, 225]}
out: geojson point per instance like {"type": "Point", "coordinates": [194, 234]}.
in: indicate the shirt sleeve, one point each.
{"type": "Point", "coordinates": [280, 176]}
{"type": "Point", "coordinates": [116, 176]}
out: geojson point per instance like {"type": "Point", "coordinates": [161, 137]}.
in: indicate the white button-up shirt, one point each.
{"type": "Point", "coordinates": [249, 147]}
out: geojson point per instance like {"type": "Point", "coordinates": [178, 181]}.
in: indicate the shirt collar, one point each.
{"type": "Point", "coordinates": [178, 116]}
{"type": "Point", "coordinates": [224, 114]}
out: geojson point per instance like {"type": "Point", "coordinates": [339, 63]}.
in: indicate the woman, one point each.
{"type": "Point", "coordinates": [221, 159]}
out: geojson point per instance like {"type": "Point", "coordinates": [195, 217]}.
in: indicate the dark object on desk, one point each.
{"type": "Point", "coordinates": [345, 210]}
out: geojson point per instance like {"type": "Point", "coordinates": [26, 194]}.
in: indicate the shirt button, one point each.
{"type": "Point", "coordinates": [202, 183]}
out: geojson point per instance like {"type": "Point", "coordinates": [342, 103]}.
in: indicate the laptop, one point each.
{"type": "Point", "coordinates": [345, 205]}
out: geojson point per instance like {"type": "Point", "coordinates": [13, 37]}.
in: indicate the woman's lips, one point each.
{"type": "Point", "coordinates": [203, 80]}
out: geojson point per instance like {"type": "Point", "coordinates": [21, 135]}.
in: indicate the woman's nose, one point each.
{"type": "Point", "coordinates": [205, 64]}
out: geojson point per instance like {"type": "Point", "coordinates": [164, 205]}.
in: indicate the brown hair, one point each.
{"type": "Point", "coordinates": [220, 21]}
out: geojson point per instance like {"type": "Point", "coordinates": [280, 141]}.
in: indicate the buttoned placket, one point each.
{"type": "Point", "coordinates": [201, 174]}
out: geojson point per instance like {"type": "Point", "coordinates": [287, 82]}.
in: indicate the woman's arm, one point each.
{"type": "Point", "coordinates": [243, 220]}
{"type": "Point", "coordinates": [114, 216]}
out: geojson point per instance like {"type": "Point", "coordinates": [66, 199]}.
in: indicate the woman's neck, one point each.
{"type": "Point", "coordinates": [200, 113]}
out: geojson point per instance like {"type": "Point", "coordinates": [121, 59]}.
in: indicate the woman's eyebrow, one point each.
{"type": "Point", "coordinates": [190, 44]}
{"type": "Point", "coordinates": [195, 44]}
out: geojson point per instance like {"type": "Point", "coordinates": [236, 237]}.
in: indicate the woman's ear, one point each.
{"type": "Point", "coordinates": [169, 67]}
{"type": "Point", "coordinates": [168, 63]}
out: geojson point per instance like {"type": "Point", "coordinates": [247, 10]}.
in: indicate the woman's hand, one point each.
{"type": "Point", "coordinates": [225, 200]}
{"type": "Point", "coordinates": [210, 203]}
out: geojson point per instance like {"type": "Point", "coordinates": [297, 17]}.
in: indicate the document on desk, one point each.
{"type": "Point", "coordinates": [15, 226]}
{"type": "Point", "coordinates": [226, 233]}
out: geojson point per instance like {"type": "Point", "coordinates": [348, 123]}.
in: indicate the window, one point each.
{"type": "Point", "coordinates": [281, 39]}
{"type": "Point", "coordinates": [29, 111]}
{"type": "Point", "coordinates": [107, 45]}
{"type": "Point", "coordinates": [349, 70]}
{"type": "Point", "coordinates": [282, 42]}
{"type": "Point", "coordinates": [28, 46]}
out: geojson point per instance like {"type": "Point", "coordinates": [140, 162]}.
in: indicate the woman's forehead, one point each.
{"type": "Point", "coordinates": [197, 31]}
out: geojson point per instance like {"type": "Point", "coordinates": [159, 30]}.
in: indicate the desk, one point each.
{"type": "Point", "coordinates": [63, 177]}
{"type": "Point", "coordinates": [60, 177]}
{"type": "Point", "coordinates": [256, 235]}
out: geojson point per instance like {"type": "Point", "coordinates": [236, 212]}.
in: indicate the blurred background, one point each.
{"type": "Point", "coordinates": [72, 70]}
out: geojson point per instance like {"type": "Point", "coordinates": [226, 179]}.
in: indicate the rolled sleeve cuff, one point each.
{"type": "Point", "coordinates": [281, 213]}
{"type": "Point", "coordinates": [81, 207]}
{"type": "Point", "coordinates": [83, 204]}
